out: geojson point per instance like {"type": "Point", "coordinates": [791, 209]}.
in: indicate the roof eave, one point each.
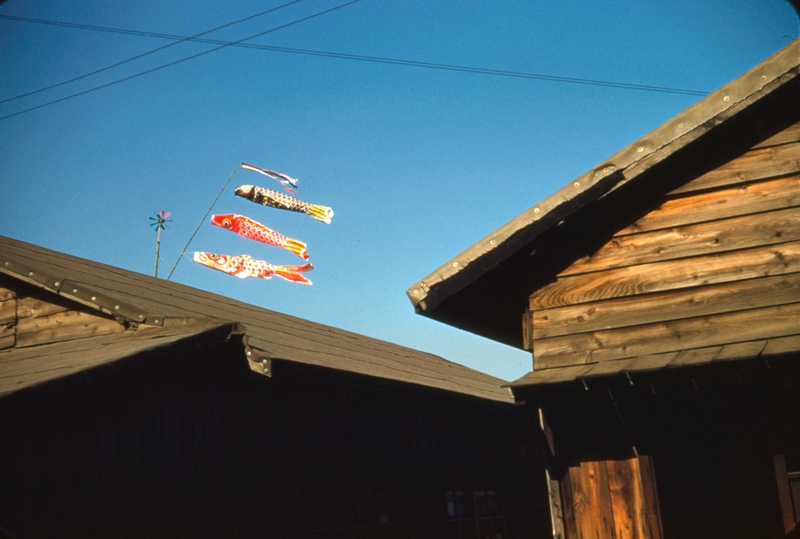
{"type": "Point", "coordinates": [620, 168]}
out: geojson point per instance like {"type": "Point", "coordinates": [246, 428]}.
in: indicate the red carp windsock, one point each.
{"type": "Point", "coordinates": [253, 230]}
{"type": "Point", "coordinates": [243, 267]}
{"type": "Point", "coordinates": [268, 197]}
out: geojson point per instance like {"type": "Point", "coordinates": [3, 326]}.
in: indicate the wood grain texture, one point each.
{"type": "Point", "coordinates": [715, 330]}
{"type": "Point", "coordinates": [7, 342]}
{"type": "Point", "coordinates": [784, 493]}
{"type": "Point", "coordinates": [62, 327]}
{"type": "Point", "coordinates": [790, 134]}
{"type": "Point", "coordinates": [592, 500]}
{"type": "Point", "coordinates": [756, 164]}
{"type": "Point", "coordinates": [664, 306]}
{"type": "Point", "coordinates": [625, 487]}
{"type": "Point", "coordinates": [768, 195]}
{"type": "Point", "coordinates": [650, 493]}
{"type": "Point", "coordinates": [33, 307]}
{"type": "Point", "coordinates": [8, 336]}
{"type": "Point", "coordinates": [568, 506]}
{"type": "Point", "coordinates": [727, 267]}
{"type": "Point", "coordinates": [6, 293]}
{"type": "Point", "coordinates": [8, 311]}
{"type": "Point", "coordinates": [742, 232]}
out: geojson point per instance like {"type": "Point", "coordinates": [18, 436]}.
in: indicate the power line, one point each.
{"type": "Point", "coordinates": [179, 39]}
{"type": "Point", "coordinates": [226, 44]}
{"type": "Point", "coordinates": [376, 59]}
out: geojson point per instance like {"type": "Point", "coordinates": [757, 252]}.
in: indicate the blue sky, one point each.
{"type": "Point", "coordinates": [418, 164]}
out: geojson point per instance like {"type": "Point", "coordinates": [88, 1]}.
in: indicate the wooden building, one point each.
{"type": "Point", "coordinates": [659, 294]}
{"type": "Point", "coordinates": [135, 407]}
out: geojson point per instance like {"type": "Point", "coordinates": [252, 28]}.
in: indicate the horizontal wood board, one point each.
{"type": "Point", "coordinates": [757, 164]}
{"type": "Point", "coordinates": [741, 232]}
{"type": "Point", "coordinates": [788, 135]}
{"type": "Point", "coordinates": [751, 198]}
{"type": "Point", "coordinates": [714, 330]}
{"type": "Point", "coordinates": [64, 326]}
{"type": "Point", "coordinates": [727, 267]}
{"type": "Point", "coordinates": [715, 246]}
{"type": "Point", "coordinates": [671, 305]}
{"type": "Point", "coordinates": [27, 366]}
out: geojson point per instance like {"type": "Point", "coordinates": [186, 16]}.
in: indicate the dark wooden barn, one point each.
{"type": "Point", "coordinates": [659, 294]}
{"type": "Point", "coordinates": [135, 407]}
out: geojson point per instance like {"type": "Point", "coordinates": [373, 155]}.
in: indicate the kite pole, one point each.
{"type": "Point", "coordinates": [202, 220]}
{"type": "Point", "coordinates": [160, 219]}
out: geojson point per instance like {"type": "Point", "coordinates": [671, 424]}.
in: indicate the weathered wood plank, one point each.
{"type": "Point", "coordinates": [715, 330]}
{"type": "Point", "coordinates": [527, 330]}
{"type": "Point", "coordinates": [664, 306]}
{"type": "Point", "coordinates": [743, 232]}
{"type": "Point", "coordinates": [8, 336]}
{"type": "Point", "coordinates": [32, 307]}
{"type": "Point", "coordinates": [63, 327]}
{"type": "Point", "coordinates": [568, 506]}
{"type": "Point", "coordinates": [593, 507]}
{"type": "Point", "coordinates": [784, 493]}
{"type": "Point", "coordinates": [782, 345]}
{"type": "Point", "coordinates": [7, 342]}
{"type": "Point", "coordinates": [768, 195]}
{"type": "Point", "coordinates": [758, 164]}
{"type": "Point", "coordinates": [790, 134]}
{"type": "Point", "coordinates": [8, 311]}
{"type": "Point", "coordinates": [650, 493]}
{"type": "Point", "coordinates": [727, 267]}
{"type": "Point", "coordinates": [7, 293]}
{"type": "Point", "coordinates": [625, 487]}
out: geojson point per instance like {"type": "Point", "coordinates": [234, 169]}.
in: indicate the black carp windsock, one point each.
{"type": "Point", "coordinates": [268, 197]}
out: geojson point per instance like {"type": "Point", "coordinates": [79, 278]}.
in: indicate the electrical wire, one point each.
{"type": "Point", "coordinates": [222, 46]}
{"type": "Point", "coordinates": [178, 39]}
{"type": "Point", "coordinates": [357, 57]}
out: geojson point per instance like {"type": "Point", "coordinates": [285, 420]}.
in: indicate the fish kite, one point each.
{"type": "Point", "coordinates": [267, 197]}
{"type": "Point", "coordinates": [282, 179]}
{"type": "Point", "coordinates": [243, 266]}
{"type": "Point", "coordinates": [256, 231]}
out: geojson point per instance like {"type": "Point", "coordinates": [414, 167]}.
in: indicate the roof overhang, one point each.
{"type": "Point", "coordinates": [484, 289]}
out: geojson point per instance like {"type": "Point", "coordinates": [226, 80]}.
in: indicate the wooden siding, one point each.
{"type": "Point", "coordinates": [718, 262]}
{"type": "Point", "coordinates": [613, 499]}
{"type": "Point", "coordinates": [31, 316]}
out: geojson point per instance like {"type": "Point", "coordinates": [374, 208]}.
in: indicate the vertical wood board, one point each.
{"type": "Point", "coordinates": [625, 487]}
{"type": "Point", "coordinates": [592, 500]}
{"type": "Point", "coordinates": [784, 493]}
{"type": "Point", "coordinates": [650, 493]}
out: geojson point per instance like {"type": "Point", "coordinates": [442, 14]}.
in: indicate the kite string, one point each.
{"type": "Point", "coordinates": [203, 219]}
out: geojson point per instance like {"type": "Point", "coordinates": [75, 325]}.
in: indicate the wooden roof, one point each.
{"type": "Point", "coordinates": [485, 288]}
{"type": "Point", "coordinates": [163, 308]}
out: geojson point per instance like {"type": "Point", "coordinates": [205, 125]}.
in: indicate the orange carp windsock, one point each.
{"type": "Point", "coordinates": [268, 197]}
{"type": "Point", "coordinates": [253, 230]}
{"type": "Point", "coordinates": [243, 266]}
